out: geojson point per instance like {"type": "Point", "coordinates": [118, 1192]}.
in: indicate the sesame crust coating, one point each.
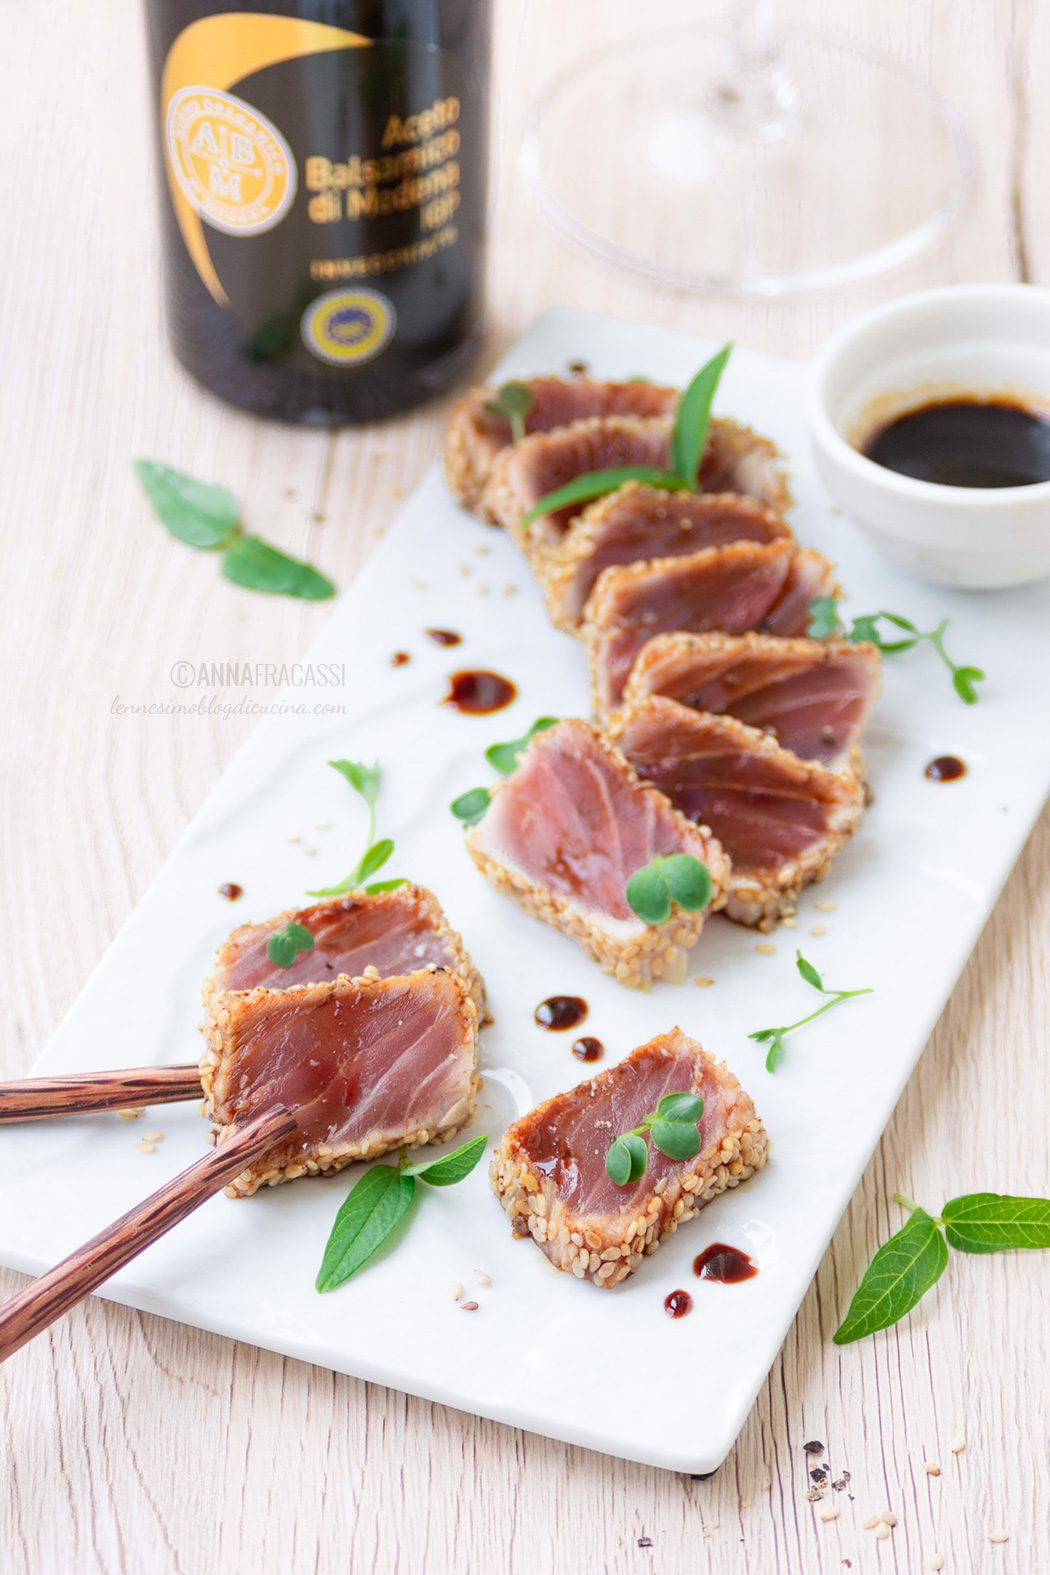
{"type": "Point", "coordinates": [606, 1246]}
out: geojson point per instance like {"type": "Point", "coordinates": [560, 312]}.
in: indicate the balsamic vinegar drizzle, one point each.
{"type": "Point", "coordinates": [477, 692]}
{"type": "Point", "coordinates": [559, 1012]}
{"type": "Point", "coordinates": [727, 1265]}
{"type": "Point", "coordinates": [678, 1304]}
{"type": "Point", "coordinates": [399, 659]}
{"type": "Point", "coordinates": [946, 768]}
{"type": "Point", "coordinates": [230, 890]}
{"type": "Point", "coordinates": [444, 636]}
{"type": "Point", "coordinates": [588, 1049]}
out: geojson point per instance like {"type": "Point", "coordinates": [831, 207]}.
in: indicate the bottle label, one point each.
{"type": "Point", "coordinates": [231, 164]}
{"type": "Point", "coordinates": [346, 327]}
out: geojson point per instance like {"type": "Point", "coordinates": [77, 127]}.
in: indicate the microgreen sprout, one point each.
{"type": "Point", "coordinates": [675, 878]}
{"type": "Point", "coordinates": [775, 1037]}
{"type": "Point", "coordinates": [513, 402]}
{"type": "Point", "coordinates": [673, 1128]}
{"type": "Point", "coordinates": [825, 623]}
{"type": "Point", "coordinates": [365, 782]}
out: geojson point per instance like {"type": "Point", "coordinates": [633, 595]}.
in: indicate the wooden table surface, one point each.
{"type": "Point", "coordinates": [133, 1444]}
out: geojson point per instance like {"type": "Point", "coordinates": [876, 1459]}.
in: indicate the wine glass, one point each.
{"type": "Point", "coordinates": [745, 161]}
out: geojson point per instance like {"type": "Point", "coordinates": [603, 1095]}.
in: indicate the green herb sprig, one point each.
{"type": "Point", "coordinates": [209, 518]}
{"type": "Point", "coordinates": [913, 1260]}
{"type": "Point", "coordinates": [674, 878]}
{"type": "Point", "coordinates": [377, 1204]}
{"type": "Point", "coordinates": [284, 946]}
{"type": "Point", "coordinates": [504, 757]}
{"type": "Point", "coordinates": [688, 439]}
{"type": "Point", "coordinates": [774, 1037]}
{"type": "Point", "coordinates": [825, 624]}
{"type": "Point", "coordinates": [513, 402]}
{"type": "Point", "coordinates": [365, 782]}
{"type": "Point", "coordinates": [673, 1128]}
{"type": "Point", "coordinates": [471, 806]}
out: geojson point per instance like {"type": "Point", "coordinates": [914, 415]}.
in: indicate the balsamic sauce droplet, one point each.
{"type": "Point", "coordinates": [559, 1012]}
{"type": "Point", "coordinates": [230, 890]}
{"type": "Point", "coordinates": [727, 1265]}
{"type": "Point", "coordinates": [399, 659]}
{"type": "Point", "coordinates": [478, 692]}
{"type": "Point", "coordinates": [678, 1304]}
{"type": "Point", "coordinates": [444, 636]}
{"type": "Point", "coordinates": [588, 1049]}
{"type": "Point", "coordinates": [946, 768]}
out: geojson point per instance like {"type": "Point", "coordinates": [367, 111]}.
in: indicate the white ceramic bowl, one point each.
{"type": "Point", "coordinates": [990, 340]}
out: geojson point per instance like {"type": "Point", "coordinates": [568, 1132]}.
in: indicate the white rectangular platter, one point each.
{"type": "Point", "coordinates": [608, 1370]}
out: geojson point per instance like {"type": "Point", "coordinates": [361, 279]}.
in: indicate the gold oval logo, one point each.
{"type": "Point", "coordinates": [231, 163]}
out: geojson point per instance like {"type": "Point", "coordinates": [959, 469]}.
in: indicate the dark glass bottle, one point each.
{"type": "Point", "coordinates": [323, 193]}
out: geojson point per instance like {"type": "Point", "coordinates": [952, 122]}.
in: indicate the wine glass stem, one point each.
{"type": "Point", "coordinates": [754, 95]}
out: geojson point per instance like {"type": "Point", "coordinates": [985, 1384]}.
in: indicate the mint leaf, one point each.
{"type": "Point", "coordinates": [995, 1222]}
{"type": "Point", "coordinates": [373, 1208]}
{"type": "Point", "coordinates": [897, 1278]}
{"type": "Point", "coordinates": [626, 1160]}
{"type": "Point", "coordinates": [470, 807]}
{"type": "Point", "coordinates": [596, 484]}
{"type": "Point", "coordinates": [255, 566]}
{"type": "Point", "coordinates": [450, 1168]}
{"type": "Point", "coordinates": [693, 418]}
{"type": "Point", "coordinates": [504, 757]}
{"type": "Point", "coordinates": [193, 512]}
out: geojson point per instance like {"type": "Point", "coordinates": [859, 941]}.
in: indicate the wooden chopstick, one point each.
{"type": "Point", "coordinates": [36, 1098]}
{"type": "Point", "coordinates": [60, 1288]}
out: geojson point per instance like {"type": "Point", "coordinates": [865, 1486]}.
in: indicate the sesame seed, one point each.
{"type": "Point", "coordinates": [293, 836]}
{"type": "Point", "coordinates": [937, 1562]}
{"type": "Point", "coordinates": [819, 929]}
{"type": "Point", "coordinates": [790, 924]}
{"type": "Point", "coordinates": [419, 585]}
{"type": "Point", "coordinates": [871, 1522]}
{"type": "Point", "coordinates": [152, 1137]}
{"type": "Point", "coordinates": [510, 589]}
{"type": "Point", "coordinates": [764, 949]}
{"type": "Point", "coordinates": [931, 1469]}
{"type": "Point", "coordinates": [482, 590]}
{"type": "Point", "coordinates": [824, 907]}
{"type": "Point", "coordinates": [464, 569]}
{"type": "Point", "coordinates": [830, 1513]}
{"type": "Point", "coordinates": [703, 983]}
{"type": "Point", "coordinates": [998, 1536]}
{"type": "Point", "coordinates": [958, 1446]}
{"type": "Point", "coordinates": [146, 1148]}
{"type": "Point", "coordinates": [888, 1518]}
{"type": "Point", "coordinates": [482, 551]}
{"type": "Point", "coordinates": [323, 825]}
{"type": "Point", "coordinates": [482, 1278]}
{"type": "Point", "coordinates": [310, 852]}
{"type": "Point", "coordinates": [882, 1531]}
{"type": "Point", "coordinates": [468, 1306]}
{"type": "Point", "coordinates": [456, 1289]}
{"type": "Point", "coordinates": [132, 1114]}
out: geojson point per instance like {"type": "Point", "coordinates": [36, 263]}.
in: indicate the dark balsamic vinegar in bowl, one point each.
{"type": "Point", "coordinates": [966, 441]}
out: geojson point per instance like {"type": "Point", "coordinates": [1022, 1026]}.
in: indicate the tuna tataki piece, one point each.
{"type": "Point", "coordinates": [367, 1064]}
{"type": "Point", "coordinates": [549, 1171]}
{"type": "Point", "coordinates": [475, 435]}
{"type": "Point", "coordinates": [735, 460]}
{"type": "Point", "coordinates": [780, 819]}
{"type": "Point", "coordinates": [394, 932]}
{"type": "Point", "coordinates": [637, 523]}
{"type": "Point", "coordinates": [732, 589]}
{"type": "Point", "coordinates": [565, 833]}
{"type": "Point", "coordinates": [813, 696]}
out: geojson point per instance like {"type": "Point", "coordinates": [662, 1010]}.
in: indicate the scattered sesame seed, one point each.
{"type": "Point", "coordinates": [745, 1503]}
{"type": "Point", "coordinates": [456, 1289]}
{"type": "Point", "coordinates": [882, 1531]}
{"type": "Point", "coordinates": [790, 924]}
{"type": "Point", "coordinates": [146, 1148]}
{"type": "Point", "coordinates": [703, 982]}
{"type": "Point", "coordinates": [510, 588]}
{"type": "Point", "coordinates": [819, 929]}
{"type": "Point", "coordinates": [888, 1518]}
{"type": "Point", "coordinates": [829, 1514]}
{"type": "Point", "coordinates": [937, 1562]}
{"type": "Point", "coordinates": [824, 907]}
{"type": "Point", "coordinates": [464, 569]}
{"type": "Point", "coordinates": [419, 585]}
{"type": "Point", "coordinates": [998, 1536]}
{"type": "Point", "coordinates": [468, 1306]}
{"type": "Point", "coordinates": [871, 1522]}
{"type": "Point", "coordinates": [153, 1137]}
{"type": "Point", "coordinates": [482, 551]}
{"type": "Point", "coordinates": [310, 852]}
{"type": "Point", "coordinates": [131, 1114]}
{"type": "Point", "coordinates": [931, 1469]}
{"type": "Point", "coordinates": [323, 825]}
{"type": "Point", "coordinates": [482, 1278]}
{"type": "Point", "coordinates": [482, 590]}
{"type": "Point", "coordinates": [293, 836]}
{"type": "Point", "coordinates": [958, 1446]}
{"type": "Point", "coordinates": [764, 949]}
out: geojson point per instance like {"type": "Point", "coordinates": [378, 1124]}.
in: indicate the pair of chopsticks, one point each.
{"type": "Point", "coordinates": [45, 1299]}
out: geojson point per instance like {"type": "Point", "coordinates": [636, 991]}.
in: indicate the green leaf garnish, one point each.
{"type": "Point", "coordinates": [194, 512]}
{"type": "Point", "coordinates": [504, 757]}
{"type": "Point", "coordinates": [774, 1037]}
{"type": "Point", "coordinates": [597, 483]}
{"type": "Point", "coordinates": [899, 1275]}
{"type": "Point", "coordinates": [471, 806]}
{"type": "Point", "coordinates": [825, 623]}
{"type": "Point", "coordinates": [365, 782]}
{"type": "Point", "coordinates": [993, 1222]}
{"type": "Point", "coordinates": [371, 1211]}
{"type": "Point", "coordinates": [256, 566]}
{"type": "Point", "coordinates": [284, 946]}
{"type": "Point", "coordinates": [450, 1168]}
{"type": "Point", "coordinates": [375, 1206]}
{"type": "Point", "coordinates": [674, 1127]}
{"type": "Point", "coordinates": [513, 402]}
{"type": "Point", "coordinates": [676, 878]}
{"type": "Point", "coordinates": [693, 418]}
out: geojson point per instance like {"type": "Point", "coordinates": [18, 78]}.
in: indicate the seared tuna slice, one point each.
{"type": "Point", "coordinates": [367, 1065]}
{"type": "Point", "coordinates": [394, 932]}
{"type": "Point", "coordinates": [549, 1171]}
{"type": "Point", "coordinates": [732, 589]}
{"type": "Point", "coordinates": [813, 696]}
{"type": "Point", "coordinates": [475, 435]}
{"type": "Point", "coordinates": [637, 523]}
{"type": "Point", "coordinates": [565, 833]}
{"type": "Point", "coordinates": [780, 819]}
{"type": "Point", "coordinates": [735, 460]}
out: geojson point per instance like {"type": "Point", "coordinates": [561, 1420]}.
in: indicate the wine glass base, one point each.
{"type": "Point", "coordinates": [845, 164]}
